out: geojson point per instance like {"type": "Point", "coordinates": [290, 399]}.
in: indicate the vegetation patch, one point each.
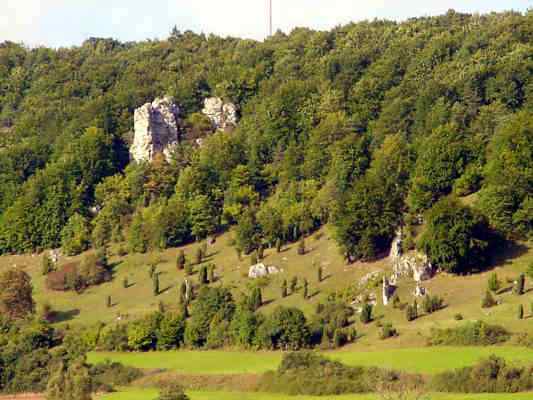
{"type": "Point", "coordinates": [493, 375]}
{"type": "Point", "coordinates": [307, 373]}
{"type": "Point", "coordinates": [470, 334]}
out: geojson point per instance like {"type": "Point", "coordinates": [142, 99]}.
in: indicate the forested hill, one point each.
{"type": "Point", "coordinates": [365, 127]}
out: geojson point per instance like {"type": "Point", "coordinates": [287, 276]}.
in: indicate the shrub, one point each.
{"type": "Point", "coordinates": [310, 374]}
{"type": "Point", "coordinates": [203, 248]}
{"type": "Point", "coordinates": [256, 299]}
{"type": "Point", "coordinates": [112, 374]}
{"type": "Point", "coordinates": [198, 256]}
{"type": "Point", "coordinates": [180, 261]}
{"type": "Point", "coordinates": [387, 331]}
{"type": "Point", "coordinates": [301, 247]}
{"type": "Point", "coordinates": [520, 285]}
{"type": "Point", "coordinates": [494, 283]}
{"type": "Point", "coordinates": [294, 284]}
{"type": "Point", "coordinates": [189, 270]}
{"type": "Point", "coordinates": [488, 301]}
{"type": "Point", "coordinates": [366, 313]}
{"type": "Point", "coordinates": [471, 334]}
{"type": "Point", "coordinates": [172, 391]}
{"type": "Point", "coordinates": [47, 265]}
{"type": "Point", "coordinates": [202, 278]}
{"type": "Point", "coordinates": [211, 273]}
{"type": "Point", "coordinates": [458, 317]}
{"type": "Point", "coordinates": [411, 312]}
{"type": "Point", "coordinates": [155, 284]}
{"type": "Point", "coordinates": [65, 278]}
{"type": "Point", "coordinates": [432, 304]}
{"type": "Point", "coordinates": [319, 274]}
{"type": "Point", "coordinates": [488, 376]}
{"type": "Point", "coordinates": [520, 311]}
{"type": "Point", "coordinates": [284, 288]}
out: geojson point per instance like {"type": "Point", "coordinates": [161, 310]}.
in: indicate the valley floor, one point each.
{"type": "Point", "coordinates": [150, 394]}
{"type": "Point", "coordinates": [425, 360]}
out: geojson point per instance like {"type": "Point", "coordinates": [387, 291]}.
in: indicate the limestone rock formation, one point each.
{"type": "Point", "coordinates": [416, 265]}
{"type": "Point", "coordinates": [222, 115]}
{"type": "Point", "coordinates": [259, 270]}
{"type": "Point", "coordinates": [157, 129]}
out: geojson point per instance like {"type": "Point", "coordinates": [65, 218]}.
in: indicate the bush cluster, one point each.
{"type": "Point", "coordinates": [470, 334]}
{"type": "Point", "coordinates": [488, 376]}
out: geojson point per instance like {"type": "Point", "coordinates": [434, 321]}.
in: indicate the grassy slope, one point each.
{"type": "Point", "coordinates": [148, 394]}
{"type": "Point", "coordinates": [424, 360]}
{"type": "Point", "coordinates": [462, 294]}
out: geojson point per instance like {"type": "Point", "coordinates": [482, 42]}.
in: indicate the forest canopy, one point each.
{"type": "Point", "coordinates": [365, 127]}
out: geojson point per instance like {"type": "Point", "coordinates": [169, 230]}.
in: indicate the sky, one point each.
{"type": "Point", "coordinates": [69, 22]}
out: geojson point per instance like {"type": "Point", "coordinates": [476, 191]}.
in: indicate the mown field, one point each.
{"type": "Point", "coordinates": [427, 360]}
{"type": "Point", "coordinates": [149, 394]}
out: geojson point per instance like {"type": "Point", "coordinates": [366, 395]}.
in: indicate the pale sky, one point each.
{"type": "Point", "coordinates": [69, 22]}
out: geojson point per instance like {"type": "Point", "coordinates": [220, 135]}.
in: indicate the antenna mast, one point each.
{"type": "Point", "coordinates": [270, 17]}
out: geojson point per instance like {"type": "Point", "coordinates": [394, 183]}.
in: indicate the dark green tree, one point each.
{"type": "Point", "coordinates": [456, 238]}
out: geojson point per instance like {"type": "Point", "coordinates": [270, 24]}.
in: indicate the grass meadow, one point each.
{"type": "Point", "coordinates": [150, 394]}
{"type": "Point", "coordinates": [427, 360]}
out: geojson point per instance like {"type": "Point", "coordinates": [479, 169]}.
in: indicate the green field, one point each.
{"type": "Point", "coordinates": [424, 360]}
{"type": "Point", "coordinates": [149, 394]}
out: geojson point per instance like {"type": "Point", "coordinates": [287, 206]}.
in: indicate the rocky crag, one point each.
{"type": "Point", "coordinates": [222, 115]}
{"type": "Point", "coordinates": [157, 129]}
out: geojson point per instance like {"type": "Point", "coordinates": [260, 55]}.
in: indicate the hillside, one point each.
{"type": "Point", "coordinates": [377, 162]}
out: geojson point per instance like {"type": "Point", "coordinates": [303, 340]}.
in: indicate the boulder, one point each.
{"type": "Point", "coordinates": [420, 291]}
{"type": "Point", "coordinates": [157, 129]}
{"type": "Point", "coordinates": [259, 270]}
{"type": "Point", "coordinates": [222, 115]}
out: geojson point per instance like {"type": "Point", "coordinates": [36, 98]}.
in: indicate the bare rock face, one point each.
{"type": "Point", "coordinates": [222, 115]}
{"type": "Point", "coordinates": [157, 129]}
{"type": "Point", "coordinates": [416, 265]}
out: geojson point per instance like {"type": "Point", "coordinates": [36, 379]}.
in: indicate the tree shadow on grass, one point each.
{"type": "Point", "coordinates": [504, 254]}
{"type": "Point", "coordinates": [163, 291]}
{"type": "Point", "coordinates": [63, 316]}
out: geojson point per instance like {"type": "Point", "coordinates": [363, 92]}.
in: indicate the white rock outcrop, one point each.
{"type": "Point", "coordinates": [416, 265]}
{"type": "Point", "coordinates": [222, 115]}
{"type": "Point", "coordinates": [157, 129]}
{"type": "Point", "coordinates": [259, 270]}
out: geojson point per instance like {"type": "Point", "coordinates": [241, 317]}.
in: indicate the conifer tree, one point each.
{"type": "Point", "coordinates": [284, 288]}
{"type": "Point", "coordinates": [520, 285]}
{"type": "Point", "coordinates": [294, 284]}
{"type": "Point", "coordinates": [180, 261]}
{"type": "Point", "coordinates": [156, 284]}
